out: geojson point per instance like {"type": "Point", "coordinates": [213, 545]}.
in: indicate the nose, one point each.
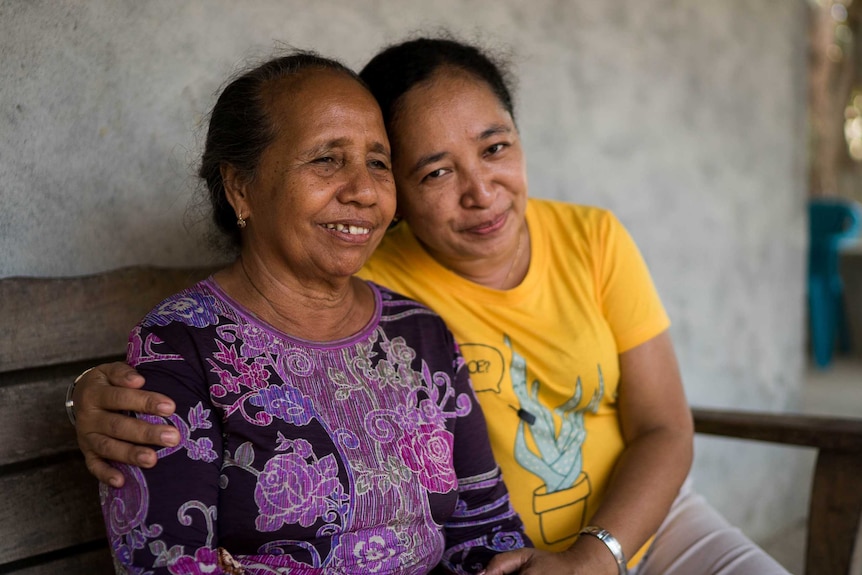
{"type": "Point", "coordinates": [478, 191]}
{"type": "Point", "coordinates": [359, 186]}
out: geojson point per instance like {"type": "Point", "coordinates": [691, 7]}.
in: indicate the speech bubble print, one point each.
{"type": "Point", "coordinates": [486, 365]}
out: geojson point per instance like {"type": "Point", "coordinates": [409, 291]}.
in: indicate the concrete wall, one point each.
{"type": "Point", "coordinates": [686, 117]}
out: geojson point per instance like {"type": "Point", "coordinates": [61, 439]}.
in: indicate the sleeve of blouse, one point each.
{"type": "Point", "coordinates": [164, 519]}
{"type": "Point", "coordinates": [629, 299]}
{"type": "Point", "coordinates": [484, 522]}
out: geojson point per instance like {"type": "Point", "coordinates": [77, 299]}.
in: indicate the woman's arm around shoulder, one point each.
{"type": "Point", "coordinates": [105, 433]}
{"type": "Point", "coordinates": [166, 517]}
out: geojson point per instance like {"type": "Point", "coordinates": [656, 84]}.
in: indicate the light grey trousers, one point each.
{"type": "Point", "coordinates": [696, 540]}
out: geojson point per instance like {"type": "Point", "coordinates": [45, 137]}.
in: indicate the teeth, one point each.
{"type": "Point", "coordinates": [353, 230]}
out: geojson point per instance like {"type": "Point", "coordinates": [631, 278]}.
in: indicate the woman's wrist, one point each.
{"type": "Point", "coordinates": [610, 543]}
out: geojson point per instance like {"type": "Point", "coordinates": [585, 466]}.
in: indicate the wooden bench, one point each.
{"type": "Point", "coordinates": [50, 520]}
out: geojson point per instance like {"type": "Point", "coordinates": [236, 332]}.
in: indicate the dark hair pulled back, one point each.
{"type": "Point", "coordinates": [240, 128]}
{"type": "Point", "coordinates": [399, 67]}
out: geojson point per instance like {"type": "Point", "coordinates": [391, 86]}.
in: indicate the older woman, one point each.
{"type": "Point", "coordinates": [557, 317]}
{"type": "Point", "coordinates": [326, 424]}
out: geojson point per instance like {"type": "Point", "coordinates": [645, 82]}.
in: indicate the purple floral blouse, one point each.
{"type": "Point", "coordinates": [364, 455]}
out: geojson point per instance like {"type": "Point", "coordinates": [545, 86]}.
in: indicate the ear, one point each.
{"type": "Point", "coordinates": [235, 190]}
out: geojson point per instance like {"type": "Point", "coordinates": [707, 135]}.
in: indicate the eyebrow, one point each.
{"type": "Point", "coordinates": [427, 159]}
{"type": "Point", "coordinates": [494, 130]}
{"type": "Point", "coordinates": [379, 148]}
{"type": "Point", "coordinates": [488, 132]}
{"type": "Point", "coordinates": [376, 147]}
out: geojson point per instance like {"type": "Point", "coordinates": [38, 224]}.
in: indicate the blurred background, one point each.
{"type": "Point", "coordinates": [706, 126]}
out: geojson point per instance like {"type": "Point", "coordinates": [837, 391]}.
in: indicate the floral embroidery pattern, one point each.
{"type": "Point", "coordinates": [428, 453]}
{"type": "Point", "coordinates": [291, 489]}
{"type": "Point", "coordinates": [203, 562]}
{"type": "Point", "coordinates": [143, 349]}
{"type": "Point", "coordinates": [324, 457]}
{"type": "Point", "coordinates": [284, 402]}
{"type": "Point", "coordinates": [125, 512]}
{"type": "Point", "coordinates": [194, 309]}
{"type": "Point", "coordinates": [374, 554]}
{"type": "Point", "coordinates": [174, 558]}
{"type": "Point", "coordinates": [200, 449]}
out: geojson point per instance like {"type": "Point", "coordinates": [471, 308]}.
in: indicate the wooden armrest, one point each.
{"type": "Point", "coordinates": [822, 432]}
{"type": "Point", "coordinates": [835, 508]}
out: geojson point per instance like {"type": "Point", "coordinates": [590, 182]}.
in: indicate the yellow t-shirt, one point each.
{"type": "Point", "coordinates": [548, 348]}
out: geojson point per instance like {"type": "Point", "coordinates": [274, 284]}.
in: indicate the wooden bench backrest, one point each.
{"type": "Point", "coordinates": [50, 519]}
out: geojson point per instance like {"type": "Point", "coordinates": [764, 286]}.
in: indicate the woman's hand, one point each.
{"type": "Point", "coordinates": [587, 556]}
{"type": "Point", "coordinates": [104, 434]}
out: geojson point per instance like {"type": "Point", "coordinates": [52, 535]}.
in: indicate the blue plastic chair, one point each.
{"type": "Point", "coordinates": [833, 222]}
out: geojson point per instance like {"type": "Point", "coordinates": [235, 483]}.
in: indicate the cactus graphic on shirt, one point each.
{"type": "Point", "coordinates": [559, 461]}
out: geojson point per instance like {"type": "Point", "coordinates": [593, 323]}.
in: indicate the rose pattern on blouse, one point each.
{"type": "Point", "coordinates": [291, 489]}
{"type": "Point", "coordinates": [372, 554]}
{"type": "Point", "coordinates": [428, 454]}
{"type": "Point", "coordinates": [385, 415]}
{"type": "Point", "coordinates": [284, 402]}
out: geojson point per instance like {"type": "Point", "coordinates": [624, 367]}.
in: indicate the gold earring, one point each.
{"type": "Point", "coordinates": [240, 222]}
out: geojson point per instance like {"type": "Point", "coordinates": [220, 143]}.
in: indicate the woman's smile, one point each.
{"type": "Point", "coordinates": [489, 226]}
{"type": "Point", "coordinates": [355, 232]}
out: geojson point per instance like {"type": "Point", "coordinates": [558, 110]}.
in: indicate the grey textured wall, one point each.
{"type": "Point", "coordinates": [686, 117]}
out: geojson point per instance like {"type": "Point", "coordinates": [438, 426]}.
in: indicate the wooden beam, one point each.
{"type": "Point", "coordinates": [817, 431]}
{"type": "Point", "coordinates": [48, 321]}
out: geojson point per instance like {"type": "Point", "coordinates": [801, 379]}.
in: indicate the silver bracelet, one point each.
{"type": "Point", "coordinates": [70, 403]}
{"type": "Point", "coordinates": [611, 543]}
